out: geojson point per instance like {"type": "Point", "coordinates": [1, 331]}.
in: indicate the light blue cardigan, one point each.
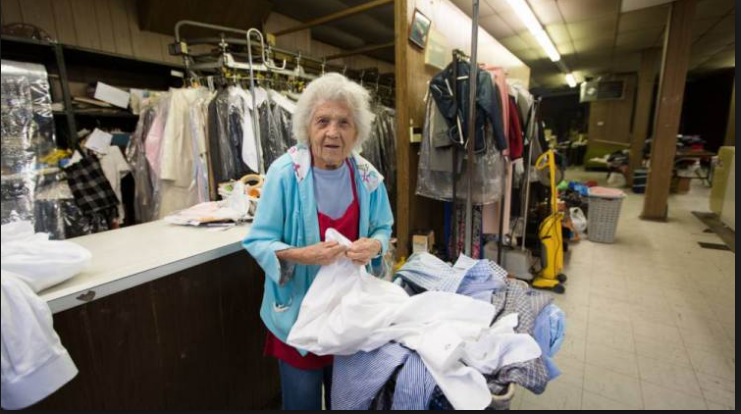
{"type": "Point", "coordinates": [287, 218]}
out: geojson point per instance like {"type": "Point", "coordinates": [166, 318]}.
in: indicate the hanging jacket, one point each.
{"type": "Point", "coordinates": [516, 146]}
{"type": "Point", "coordinates": [489, 105]}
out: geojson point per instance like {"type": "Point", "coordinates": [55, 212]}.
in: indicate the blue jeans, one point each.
{"type": "Point", "coordinates": [302, 390]}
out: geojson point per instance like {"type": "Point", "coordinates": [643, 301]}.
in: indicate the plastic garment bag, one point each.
{"type": "Point", "coordinates": [27, 137]}
{"type": "Point", "coordinates": [146, 194]}
{"type": "Point", "coordinates": [437, 168]}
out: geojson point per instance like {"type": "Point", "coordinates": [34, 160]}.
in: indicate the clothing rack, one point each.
{"type": "Point", "coordinates": [473, 85]}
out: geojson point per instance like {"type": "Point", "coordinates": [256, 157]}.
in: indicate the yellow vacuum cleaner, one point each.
{"type": "Point", "coordinates": [551, 235]}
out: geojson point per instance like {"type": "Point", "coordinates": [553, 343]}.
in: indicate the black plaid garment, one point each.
{"type": "Point", "coordinates": [92, 191]}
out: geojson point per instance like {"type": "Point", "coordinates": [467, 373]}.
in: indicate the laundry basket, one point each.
{"type": "Point", "coordinates": [604, 214]}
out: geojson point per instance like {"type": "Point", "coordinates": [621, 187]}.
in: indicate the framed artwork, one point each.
{"type": "Point", "coordinates": [420, 29]}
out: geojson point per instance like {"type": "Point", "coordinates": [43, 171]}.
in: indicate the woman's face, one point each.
{"type": "Point", "coordinates": [332, 134]}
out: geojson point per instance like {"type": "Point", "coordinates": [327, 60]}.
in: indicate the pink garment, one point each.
{"type": "Point", "coordinates": [153, 142]}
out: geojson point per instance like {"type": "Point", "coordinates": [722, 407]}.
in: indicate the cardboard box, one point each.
{"type": "Point", "coordinates": [423, 242]}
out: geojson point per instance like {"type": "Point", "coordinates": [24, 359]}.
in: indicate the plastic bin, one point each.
{"type": "Point", "coordinates": [605, 205]}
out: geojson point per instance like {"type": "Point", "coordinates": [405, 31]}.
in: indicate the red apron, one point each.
{"type": "Point", "coordinates": [349, 226]}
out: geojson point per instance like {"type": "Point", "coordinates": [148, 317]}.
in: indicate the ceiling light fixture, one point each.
{"type": "Point", "coordinates": [526, 15]}
{"type": "Point", "coordinates": [571, 80]}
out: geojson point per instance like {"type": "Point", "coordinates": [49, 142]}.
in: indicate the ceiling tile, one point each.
{"type": "Point", "coordinates": [640, 38]}
{"type": "Point", "coordinates": [467, 7]}
{"type": "Point", "coordinates": [528, 55]}
{"type": "Point", "coordinates": [498, 5]}
{"type": "Point", "coordinates": [510, 17]}
{"type": "Point", "coordinates": [700, 27]}
{"type": "Point", "coordinates": [514, 44]}
{"type": "Point", "coordinates": [497, 27]}
{"type": "Point", "coordinates": [577, 10]}
{"type": "Point", "coordinates": [602, 27]}
{"type": "Point", "coordinates": [559, 33]}
{"type": "Point", "coordinates": [547, 11]}
{"type": "Point", "coordinates": [566, 49]}
{"type": "Point", "coordinates": [713, 8]}
{"type": "Point", "coordinates": [604, 46]}
{"type": "Point", "coordinates": [644, 19]}
{"type": "Point", "coordinates": [727, 24]}
{"type": "Point", "coordinates": [631, 5]}
{"type": "Point", "coordinates": [704, 48]}
{"type": "Point", "coordinates": [715, 39]}
{"type": "Point", "coordinates": [530, 40]}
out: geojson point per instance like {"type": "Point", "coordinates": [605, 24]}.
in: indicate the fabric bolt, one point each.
{"type": "Point", "coordinates": [34, 362]}
{"type": "Point", "coordinates": [347, 311]}
{"type": "Point", "coordinates": [91, 189]}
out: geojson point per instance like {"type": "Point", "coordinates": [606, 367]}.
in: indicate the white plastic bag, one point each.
{"type": "Point", "coordinates": [579, 219]}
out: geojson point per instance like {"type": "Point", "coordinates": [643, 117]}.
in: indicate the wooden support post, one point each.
{"type": "Point", "coordinates": [403, 145]}
{"type": "Point", "coordinates": [650, 60]}
{"type": "Point", "coordinates": [336, 16]}
{"type": "Point", "coordinates": [677, 47]}
{"type": "Point", "coordinates": [731, 132]}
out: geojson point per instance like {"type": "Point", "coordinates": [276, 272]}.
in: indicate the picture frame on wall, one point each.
{"type": "Point", "coordinates": [419, 30]}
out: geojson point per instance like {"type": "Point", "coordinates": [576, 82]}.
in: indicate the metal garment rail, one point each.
{"type": "Point", "coordinates": [249, 34]}
{"type": "Point", "coordinates": [473, 85]}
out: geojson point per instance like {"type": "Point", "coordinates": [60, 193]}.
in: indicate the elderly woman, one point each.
{"type": "Point", "coordinates": [321, 183]}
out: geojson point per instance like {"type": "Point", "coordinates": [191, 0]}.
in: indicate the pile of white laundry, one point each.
{"type": "Point", "coordinates": [347, 311]}
{"type": "Point", "coordinates": [34, 362]}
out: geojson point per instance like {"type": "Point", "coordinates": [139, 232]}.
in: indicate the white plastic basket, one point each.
{"type": "Point", "coordinates": [604, 216]}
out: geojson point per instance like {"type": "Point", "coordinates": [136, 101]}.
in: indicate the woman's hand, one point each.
{"type": "Point", "coordinates": [364, 250]}
{"type": "Point", "coordinates": [321, 254]}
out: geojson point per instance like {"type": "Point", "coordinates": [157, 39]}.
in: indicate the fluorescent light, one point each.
{"type": "Point", "coordinates": [571, 80]}
{"type": "Point", "coordinates": [526, 15]}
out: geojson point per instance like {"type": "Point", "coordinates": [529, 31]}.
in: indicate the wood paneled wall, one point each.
{"type": "Point", "coordinates": [113, 26]}
{"type": "Point", "coordinates": [105, 25]}
{"type": "Point", "coordinates": [611, 121]}
{"type": "Point", "coordinates": [302, 41]}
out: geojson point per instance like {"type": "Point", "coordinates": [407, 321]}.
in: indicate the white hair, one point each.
{"type": "Point", "coordinates": [333, 87]}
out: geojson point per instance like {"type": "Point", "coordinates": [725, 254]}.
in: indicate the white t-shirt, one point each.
{"type": "Point", "coordinates": [115, 168]}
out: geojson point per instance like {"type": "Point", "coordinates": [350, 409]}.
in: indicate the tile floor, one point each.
{"type": "Point", "coordinates": [651, 318]}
